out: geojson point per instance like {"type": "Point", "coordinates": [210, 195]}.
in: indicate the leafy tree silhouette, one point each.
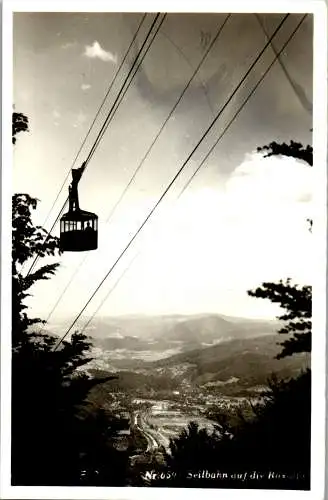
{"type": "Point", "coordinates": [57, 437]}
{"type": "Point", "coordinates": [296, 300]}
{"type": "Point", "coordinates": [268, 446]}
{"type": "Point", "coordinates": [293, 149]}
{"type": "Point", "coordinates": [268, 449]}
{"type": "Point", "coordinates": [27, 241]}
{"type": "Point", "coordinates": [20, 124]}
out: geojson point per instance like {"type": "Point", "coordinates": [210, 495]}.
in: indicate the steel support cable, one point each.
{"type": "Point", "coordinates": [147, 152]}
{"type": "Point", "coordinates": [121, 97]}
{"type": "Point", "coordinates": [120, 277]}
{"type": "Point", "coordinates": [36, 258]}
{"type": "Point", "coordinates": [86, 137]}
{"type": "Point", "coordinates": [300, 94]}
{"type": "Point", "coordinates": [169, 116]}
{"type": "Point", "coordinates": [101, 133]}
{"type": "Point", "coordinates": [241, 107]}
{"type": "Point", "coordinates": [258, 57]}
{"type": "Point", "coordinates": [277, 54]}
{"type": "Point", "coordinates": [180, 51]}
{"type": "Point", "coordinates": [97, 114]}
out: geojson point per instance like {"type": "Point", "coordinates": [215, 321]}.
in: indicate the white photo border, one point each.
{"type": "Point", "coordinates": [319, 10]}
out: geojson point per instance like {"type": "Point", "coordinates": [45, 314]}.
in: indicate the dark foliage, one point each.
{"type": "Point", "coordinates": [297, 302]}
{"type": "Point", "coordinates": [57, 437]}
{"type": "Point", "coordinates": [60, 438]}
{"type": "Point", "coordinates": [20, 124]}
{"type": "Point", "coordinates": [268, 446]}
{"type": "Point", "coordinates": [272, 440]}
{"type": "Point", "coordinates": [293, 149]}
{"type": "Point", "coordinates": [27, 242]}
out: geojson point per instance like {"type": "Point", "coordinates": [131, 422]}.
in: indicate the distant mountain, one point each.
{"type": "Point", "coordinates": [239, 367]}
{"type": "Point", "coordinates": [127, 341]}
{"type": "Point", "coordinates": [238, 363]}
{"type": "Point", "coordinates": [200, 328]}
{"type": "Point", "coordinates": [208, 352]}
{"type": "Point", "coordinates": [211, 328]}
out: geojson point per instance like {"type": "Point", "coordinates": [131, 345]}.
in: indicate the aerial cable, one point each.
{"type": "Point", "coordinates": [168, 118]}
{"type": "Point", "coordinates": [202, 84]}
{"type": "Point", "coordinates": [36, 258]}
{"type": "Point", "coordinates": [299, 92]}
{"type": "Point", "coordinates": [135, 69]}
{"type": "Point", "coordinates": [103, 129]}
{"type": "Point", "coordinates": [97, 114]}
{"type": "Point", "coordinates": [172, 181]}
{"type": "Point", "coordinates": [241, 107]}
{"type": "Point", "coordinates": [112, 110]}
{"type": "Point", "coordinates": [88, 134]}
{"type": "Point", "coordinates": [277, 54]}
{"type": "Point", "coordinates": [121, 276]}
{"type": "Point", "coordinates": [148, 151]}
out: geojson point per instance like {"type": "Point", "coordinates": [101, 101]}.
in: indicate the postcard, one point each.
{"type": "Point", "coordinates": [163, 250]}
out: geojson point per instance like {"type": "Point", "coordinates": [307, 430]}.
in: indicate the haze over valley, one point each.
{"type": "Point", "coordinates": [170, 370]}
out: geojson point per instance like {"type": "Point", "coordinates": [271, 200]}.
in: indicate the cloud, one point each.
{"type": "Point", "coordinates": [233, 237]}
{"type": "Point", "coordinates": [271, 183]}
{"type": "Point", "coordinates": [96, 51]}
{"type": "Point", "coordinates": [85, 86]}
{"type": "Point", "coordinates": [56, 114]}
{"type": "Point", "coordinates": [68, 45]}
{"type": "Point", "coordinates": [80, 119]}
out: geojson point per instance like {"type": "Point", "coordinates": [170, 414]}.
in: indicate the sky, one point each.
{"type": "Point", "coordinates": [241, 221]}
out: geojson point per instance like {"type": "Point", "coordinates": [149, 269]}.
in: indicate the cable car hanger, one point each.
{"type": "Point", "coordinates": [78, 228]}
{"type": "Point", "coordinates": [105, 126]}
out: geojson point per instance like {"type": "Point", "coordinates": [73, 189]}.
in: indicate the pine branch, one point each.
{"type": "Point", "coordinates": [43, 273]}
{"type": "Point", "coordinates": [297, 302]}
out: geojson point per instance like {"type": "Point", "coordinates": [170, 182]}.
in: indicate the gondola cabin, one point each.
{"type": "Point", "coordinates": [79, 231]}
{"type": "Point", "coordinates": [78, 228]}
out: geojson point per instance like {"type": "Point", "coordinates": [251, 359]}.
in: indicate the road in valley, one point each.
{"type": "Point", "coordinates": [152, 443]}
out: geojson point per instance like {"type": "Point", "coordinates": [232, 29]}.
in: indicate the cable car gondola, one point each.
{"type": "Point", "coordinates": [78, 228]}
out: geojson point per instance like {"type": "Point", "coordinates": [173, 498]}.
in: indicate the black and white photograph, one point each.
{"type": "Point", "coordinates": [163, 251]}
